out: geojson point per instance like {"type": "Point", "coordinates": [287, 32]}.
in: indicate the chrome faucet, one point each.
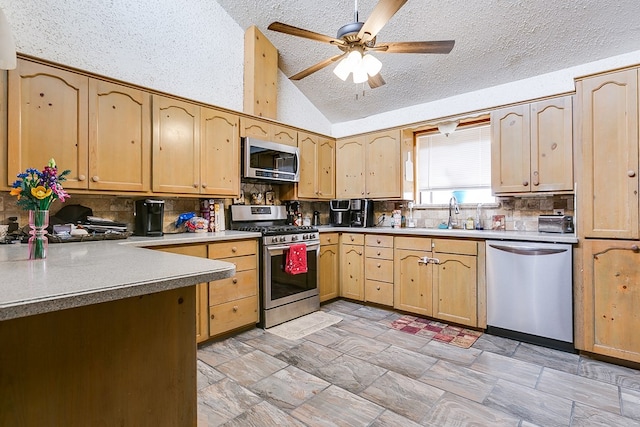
{"type": "Point", "coordinates": [453, 204]}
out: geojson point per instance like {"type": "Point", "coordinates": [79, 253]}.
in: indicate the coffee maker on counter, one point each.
{"type": "Point", "coordinates": [361, 213]}
{"type": "Point", "coordinates": [340, 212]}
{"type": "Point", "coordinates": [149, 217]}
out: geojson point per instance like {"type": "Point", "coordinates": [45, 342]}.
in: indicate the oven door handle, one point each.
{"type": "Point", "coordinates": [284, 247]}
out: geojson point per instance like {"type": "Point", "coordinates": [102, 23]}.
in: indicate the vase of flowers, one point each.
{"type": "Point", "coordinates": [36, 191]}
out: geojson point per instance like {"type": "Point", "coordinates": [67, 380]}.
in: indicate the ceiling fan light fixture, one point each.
{"type": "Point", "coordinates": [360, 75]}
{"type": "Point", "coordinates": [371, 64]}
{"type": "Point", "coordinates": [342, 70]}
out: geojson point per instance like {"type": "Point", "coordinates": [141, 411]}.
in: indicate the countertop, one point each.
{"type": "Point", "coordinates": [79, 274]}
{"type": "Point", "coordinates": [530, 236]}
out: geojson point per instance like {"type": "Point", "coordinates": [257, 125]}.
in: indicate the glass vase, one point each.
{"type": "Point", "coordinates": [38, 242]}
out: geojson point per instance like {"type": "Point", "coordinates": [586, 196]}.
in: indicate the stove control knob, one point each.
{"type": "Point", "coordinates": [294, 238]}
{"type": "Point", "coordinates": [274, 240]}
{"type": "Point", "coordinates": [283, 239]}
{"type": "Point", "coordinates": [312, 236]}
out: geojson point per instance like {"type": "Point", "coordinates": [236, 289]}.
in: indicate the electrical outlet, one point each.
{"type": "Point", "coordinates": [558, 211]}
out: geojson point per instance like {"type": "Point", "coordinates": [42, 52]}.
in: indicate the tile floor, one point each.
{"type": "Point", "coordinates": [360, 372]}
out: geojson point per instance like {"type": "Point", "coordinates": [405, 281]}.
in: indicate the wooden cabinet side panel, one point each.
{"type": "Point", "coordinates": [119, 137]}
{"type": "Point", "coordinates": [326, 168]}
{"type": "Point", "coordinates": [552, 145]}
{"type": "Point", "coordinates": [308, 145]}
{"type": "Point", "coordinates": [47, 118]}
{"type": "Point", "coordinates": [608, 204]}
{"type": "Point", "coordinates": [220, 153]}
{"type": "Point", "coordinates": [176, 146]}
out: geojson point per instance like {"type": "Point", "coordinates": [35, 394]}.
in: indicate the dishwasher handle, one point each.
{"type": "Point", "coordinates": [523, 250]}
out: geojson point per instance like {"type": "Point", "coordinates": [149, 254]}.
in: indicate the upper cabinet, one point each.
{"type": "Point", "coordinates": [100, 131]}
{"type": "Point", "coordinates": [317, 158]}
{"type": "Point", "coordinates": [196, 149]}
{"type": "Point", "coordinates": [119, 137]}
{"type": "Point", "coordinates": [267, 131]}
{"type": "Point", "coordinates": [608, 176]}
{"type": "Point", "coordinates": [532, 147]}
{"type": "Point", "coordinates": [369, 166]}
{"type": "Point", "coordinates": [220, 153]}
{"type": "Point", "coordinates": [48, 117]}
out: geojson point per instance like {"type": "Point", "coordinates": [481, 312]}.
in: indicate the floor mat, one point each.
{"type": "Point", "coordinates": [305, 325]}
{"type": "Point", "coordinates": [454, 335]}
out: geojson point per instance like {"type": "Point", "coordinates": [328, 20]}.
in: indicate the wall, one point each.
{"type": "Point", "coordinates": [189, 48]}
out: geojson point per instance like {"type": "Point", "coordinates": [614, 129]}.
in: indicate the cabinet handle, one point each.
{"type": "Point", "coordinates": [378, 241]}
{"type": "Point", "coordinates": [234, 249]}
{"type": "Point", "coordinates": [320, 193]}
{"type": "Point", "coordinates": [352, 239]}
{"type": "Point", "coordinates": [379, 253]}
{"type": "Point", "coordinates": [204, 185]}
{"type": "Point", "coordinates": [536, 181]}
{"type": "Point", "coordinates": [635, 248]}
{"type": "Point", "coordinates": [195, 185]}
{"type": "Point", "coordinates": [213, 316]}
{"type": "Point", "coordinates": [631, 173]}
{"type": "Point", "coordinates": [525, 183]}
{"type": "Point", "coordinates": [95, 178]}
{"type": "Point", "coordinates": [362, 193]}
{"type": "Point", "coordinates": [379, 265]}
{"type": "Point", "coordinates": [81, 177]}
{"type": "Point", "coordinates": [234, 280]}
{"type": "Point", "coordinates": [235, 308]}
{"type": "Point", "coordinates": [377, 288]}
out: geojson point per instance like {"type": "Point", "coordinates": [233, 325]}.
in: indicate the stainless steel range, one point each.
{"type": "Point", "coordinates": [284, 296]}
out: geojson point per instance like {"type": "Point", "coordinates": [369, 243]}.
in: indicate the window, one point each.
{"type": "Point", "coordinates": [458, 164]}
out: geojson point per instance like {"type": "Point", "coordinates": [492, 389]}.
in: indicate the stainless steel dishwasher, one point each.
{"type": "Point", "coordinates": [530, 292]}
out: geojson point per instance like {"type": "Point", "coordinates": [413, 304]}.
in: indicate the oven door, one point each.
{"type": "Point", "coordinates": [283, 288]}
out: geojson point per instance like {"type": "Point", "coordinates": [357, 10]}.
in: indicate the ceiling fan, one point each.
{"type": "Point", "coordinates": [357, 39]}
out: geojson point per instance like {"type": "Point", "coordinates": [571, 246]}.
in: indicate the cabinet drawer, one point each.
{"type": "Point", "coordinates": [231, 315]}
{"type": "Point", "coordinates": [379, 240]}
{"type": "Point", "coordinates": [243, 284]}
{"type": "Point", "coordinates": [379, 269]}
{"type": "Point", "coordinates": [415, 243]}
{"type": "Point", "coordinates": [380, 253]}
{"type": "Point", "coordinates": [353, 238]}
{"type": "Point", "coordinates": [234, 248]}
{"type": "Point", "coordinates": [329, 238]}
{"type": "Point", "coordinates": [463, 247]}
{"type": "Point", "coordinates": [378, 292]}
{"type": "Point", "coordinates": [242, 263]}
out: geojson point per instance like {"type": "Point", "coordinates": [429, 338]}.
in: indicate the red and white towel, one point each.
{"type": "Point", "coordinates": [296, 261]}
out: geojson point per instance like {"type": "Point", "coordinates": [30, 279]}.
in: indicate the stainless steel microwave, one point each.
{"type": "Point", "coordinates": [270, 161]}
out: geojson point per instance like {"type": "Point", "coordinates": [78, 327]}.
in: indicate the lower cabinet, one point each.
{"type": "Point", "coordinates": [202, 289]}
{"type": "Point", "coordinates": [227, 304]}
{"type": "Point", "coordinates": [438, 278]}
{"type": "Point", "coordinates": [611, 280]}
{"type": "Point", "coordinates": [233, 302]}
{"type": "Point", "coordinates": [352, 266]}
{"type": "Point", "coordinates": [378, 267]}
{"type": "Point", "coordinates": [329, 266]}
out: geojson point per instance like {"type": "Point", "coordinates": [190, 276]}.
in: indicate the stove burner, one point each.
{"type": "Point", "coordinates": [273, 230]}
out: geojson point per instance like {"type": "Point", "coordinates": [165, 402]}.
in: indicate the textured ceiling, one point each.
{"type": "Point", "coordinates": [497, 41]}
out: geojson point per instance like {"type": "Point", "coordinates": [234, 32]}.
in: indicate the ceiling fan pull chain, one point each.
{"type": "Point", "coordinates": [355, 19]}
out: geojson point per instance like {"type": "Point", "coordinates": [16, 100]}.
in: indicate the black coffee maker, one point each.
{"type": "Point", "coordinates": [149, 217]}
{"type": "Point", "coordinates": [361, 213]}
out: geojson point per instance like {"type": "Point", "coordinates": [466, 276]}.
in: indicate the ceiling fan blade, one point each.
{"type": "Point", "coordinates": [444, 46]}
{"type": "Point", "coordinates": [381, 14]}
{"type": "Point", "coordinates": [376, 81]}
{"type": "Point", "coordinates": [317, 67]}
{"type": "Point", "coordinates": [300, 32]}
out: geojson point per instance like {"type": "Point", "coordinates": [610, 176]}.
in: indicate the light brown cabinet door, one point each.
{"type": "Point", "coordinates": [329, 272]}
{"type": "Point", "coordinates": [455, 289]}
{"type": "Point", "coordinates": [255, 128]}
{"type": "Point", "coordinates": [284, 135]}
{"type": "Point", "coordinates": [220, 153]}
{"type": "Point", "coordinates": [510, 150]}
{"type": "Point", "coordinates": [202, 289]}
{"type": "Point", "coordinates": [612, 298]}
{"type": "Point", "coordinates": [608, 204]}
{"type": "Point", "coordinates": [552, 144]}
{"type": "Point", "coordinates": [47, 118]}
{"type": "Point", "coordinates": [350, 178]}
{"type": "Point", "coordinates": [412, 282]}
{"type": "Point", "coordinates": [176, 146]}
{"type": "Point", "coordinates": [352, 272]}
{"type": "Point", "coordinates": [325, 168]}
{"type": "Point", "coordinates": [307, 186]}
{"type": "Point", "coordinates": [383, 172]}
{"type": "Point", "coordinates": [119, 137]}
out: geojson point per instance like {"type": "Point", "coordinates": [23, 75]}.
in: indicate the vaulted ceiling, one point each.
{"type": "Point", "coordinates": [496, 42]}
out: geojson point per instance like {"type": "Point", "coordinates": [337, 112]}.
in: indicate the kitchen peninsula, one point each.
{"type": "Point", "coordinates": [99, 334]}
